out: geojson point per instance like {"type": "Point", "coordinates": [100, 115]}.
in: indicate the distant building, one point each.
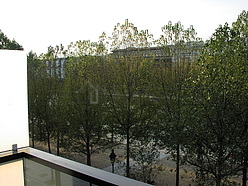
{"type": "Point", "coordinates": [162, 56]}
{"type": "Point", "coordinates": [56, 68]}
{"type": "Point", "coordinates": [165, 55]}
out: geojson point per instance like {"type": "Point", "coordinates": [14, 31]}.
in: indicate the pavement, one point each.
{"type": "Point", "coordinates": [119, 168]}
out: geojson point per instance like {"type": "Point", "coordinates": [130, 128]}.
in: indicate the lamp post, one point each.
{"type": "Point", "coordinates": [112, 157]}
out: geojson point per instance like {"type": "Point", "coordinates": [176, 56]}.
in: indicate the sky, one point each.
{"type": "Point", "coordinates": [37, 24]}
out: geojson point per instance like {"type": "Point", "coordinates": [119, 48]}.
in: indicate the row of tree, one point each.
{"type": "Point", "coordinates": [195, 109]}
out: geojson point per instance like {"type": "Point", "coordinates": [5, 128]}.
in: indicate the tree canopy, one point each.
{"type": "Point", "coordinates": [6, 43]}
{"type": "Point", "coordinates": [175, 92]}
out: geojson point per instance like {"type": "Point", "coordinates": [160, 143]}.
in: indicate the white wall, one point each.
{"type": "Point", "coordinates": [13, 100]}
{"type": "Point", "coordinates": [11, 173]}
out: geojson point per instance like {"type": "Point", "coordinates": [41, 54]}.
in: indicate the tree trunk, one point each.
{"type": "Point", "coordinates": [200, 176]}
{"type": "Point", "coordinates": [88, 158]}
{"type": "Point", "coordinates": [245, 165]}
{"type": "Point", "coordinates": [41, 132]}
{"type": "Point", "coordinates": [32, 134]}
{"type": "Point", "coordinates": [218, 176]}
{"type": "Point", "coordinates": [32, 141]}
{"type": "Point", "coordinates": [219, 167]}
{"type": "Point", "coordinates": [58, 143]}
{"type": "Point", "coordinates": [48, 143]}
{"type": "Point", "coordinates": [177, 165]}
{"type": "Point", "coordinates": [218, 181]}
{"type": "Point", "coordinates": [128, 155]}
{"type": "Point", "coordinates": [88, 152]}
{"type": "Point", "coordinates": [112, 136]}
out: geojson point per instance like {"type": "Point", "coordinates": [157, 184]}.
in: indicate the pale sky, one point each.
{"type": "Point", "coordinates": [37, 24]}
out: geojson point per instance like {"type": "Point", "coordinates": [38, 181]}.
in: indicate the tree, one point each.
{"type": "Point", "coordinates": [128, 102]}
{"type": "Point", "coordinates": [86, 114]}
{"type": "Point", "coordinates": [240, 29]}
{"type": "Point", "coordinates": [33, 64]}
{"type": "Point", "coordinates": [6, 43]}
{"type": "Point", "coordinates": [55, 61]}
{"type": "Point", "coordinates": [46, 104]}
{"type": "Point", "coordinates": [218, 91]}
{"type": "Point", "coordinates": [126, 85]}
{"type": "Point", "coordinates": [128, 36]}
{"type": "Point", "coordinates": [145, 156]}
{"type": "Point", "coordinates": [180, 46]}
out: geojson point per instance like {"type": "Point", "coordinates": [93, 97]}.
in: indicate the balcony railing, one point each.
{"type": "Point", "coordinates": [41, 168]}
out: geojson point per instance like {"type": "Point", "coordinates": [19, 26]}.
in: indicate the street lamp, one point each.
{"type": "Point", "coordinates": [112, 157]}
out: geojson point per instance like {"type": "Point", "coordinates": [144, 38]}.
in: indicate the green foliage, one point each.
{"type": "Point", "coordinates": [127, 93]}
{"type": "Point", "coordinates": [128, 36]}
{"type": "Point", "coordinates": [176, 34]}
{"type": "Point", "coordinates": [218, 113]}
{"type": "Point", "coordinates": [196, 108]}
{"type": "Point", "coordinates": [145, 156]}
{"type": "Point", "coordinates": [86, 116]}
{"type": "Point", "coordinates": [170, 88]}
{"type": "Point", "coordinates": [45, 98]}
{"type": "Point", "coordinates": [6, 43]}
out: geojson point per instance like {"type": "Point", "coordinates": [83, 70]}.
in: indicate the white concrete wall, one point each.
{"type": "Point", "coordinates": [11, 173]}
{"type": "Point", "coordinates": [13, 100]}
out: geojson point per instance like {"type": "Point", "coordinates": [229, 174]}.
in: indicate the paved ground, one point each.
{"type": "Point", "coordinates": [102, 161]}
{"type": "Point", "coordinates": [166, 177]}
{"type": "Point", "coordinates": [119, 167]}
